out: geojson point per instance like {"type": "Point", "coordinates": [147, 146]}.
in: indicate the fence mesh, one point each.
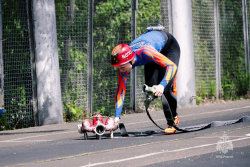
{"type": "Point", "coordinates": [17, 65]}
{"type": "Point", "coordinates": [72, 30]}
{"type": "Point", "coordinates": [233, 67]}
{"type": "Point", "coordinates": [204, 47]}
{"type": "Point", "coordinates": [158, 16]}
{"type": "Point", "coordinates": [112, 26]}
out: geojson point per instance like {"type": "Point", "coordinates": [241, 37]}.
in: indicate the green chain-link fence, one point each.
{"type": "Point", "coordinates": [17, 70]}
{"type": "Point", "coordinates": [112, 22]}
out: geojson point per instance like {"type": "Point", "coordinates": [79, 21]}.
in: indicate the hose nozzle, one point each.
{"type": "Point", "coordinates": [100, 129]}
{"type": "Point", "coordinates": [147, 88]}
{"type": "Point", "coordinates": [149, 92]}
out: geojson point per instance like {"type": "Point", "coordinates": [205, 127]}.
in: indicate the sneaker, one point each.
{"type": "Point", "coordinates": [171, 129]}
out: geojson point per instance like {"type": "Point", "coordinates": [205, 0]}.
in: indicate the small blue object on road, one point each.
{"type": "Point", "coordinates": [1, 111]}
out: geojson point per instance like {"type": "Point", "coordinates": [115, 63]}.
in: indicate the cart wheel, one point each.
{"type": "Point", "coordinates": [99, 137]}
{"type": "Point", "coordinates": [111, 134]}
{"type": "Point", "coordinates": [85, 136]}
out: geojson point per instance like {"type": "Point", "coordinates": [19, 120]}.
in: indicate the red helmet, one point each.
{"type": "Point", "coordinates": [121, 54]}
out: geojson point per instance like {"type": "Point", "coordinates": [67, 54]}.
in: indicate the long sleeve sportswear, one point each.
{"type": "Point", "coordinates": [147, 48]}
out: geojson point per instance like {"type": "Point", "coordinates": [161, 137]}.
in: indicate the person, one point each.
{"type": "Point", "coordinates": [159, 52]}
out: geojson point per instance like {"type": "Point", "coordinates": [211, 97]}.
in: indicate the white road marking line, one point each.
{"type": "Point", "coordinates": [28, 137]}
{"type": "Point", "coordinates": [247, 134]}
{"type": "Point", "coordinates": [219, 137]}
{"type": "Point", "coordinates": [24, 141]}
{"type": "Point", "coordinates": [212, 112]}
{"type": "Point", "coordinates": [160, 152]}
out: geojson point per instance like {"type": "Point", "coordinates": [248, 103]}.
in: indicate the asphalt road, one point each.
{"type": "Point", "coordinates": [61, 145]}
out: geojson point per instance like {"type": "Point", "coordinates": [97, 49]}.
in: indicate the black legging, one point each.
{"type": "Point", "coordinates": [154, 74]}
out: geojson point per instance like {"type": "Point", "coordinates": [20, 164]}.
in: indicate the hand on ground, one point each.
{"type": "Point", "coordinates": [117, 120]}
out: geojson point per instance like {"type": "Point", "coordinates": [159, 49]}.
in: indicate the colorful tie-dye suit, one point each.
{"type": "Point", "coordinates": [153, 48]}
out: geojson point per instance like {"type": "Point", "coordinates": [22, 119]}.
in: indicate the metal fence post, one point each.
{"type": "Point", "coordinates": [32, 62]}
{"type": "Point", "coordinates": [134, 7]}
{"type": "Point", "coordinates": [217, 49]}
{"type": "Point", "coordinates": [170, 16]}
{"type": "Point", "coordinates": [1, 57]}
{"type": "Point", "coordinates": [90, 56]}
{"type": "Point", "coordinates": [246, 38]}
